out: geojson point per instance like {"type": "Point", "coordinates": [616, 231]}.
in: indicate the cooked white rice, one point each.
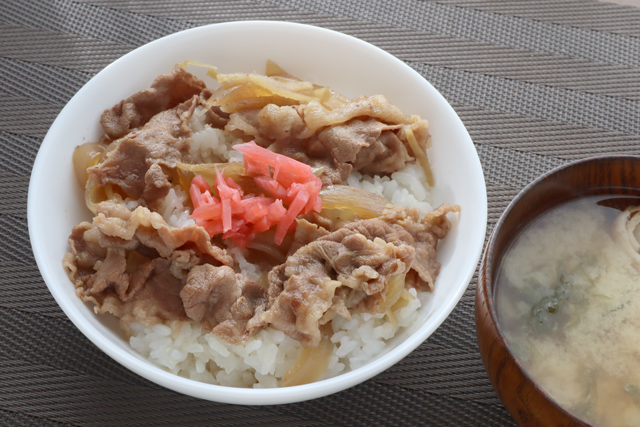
{"type": "Point", "coordinates": [173, 208]}
{"type": "Point", "coordinates": [211, 145]}
{"type": "Point", "coordinates": [407, 187]}
{"type": "Point", "coordinates": [181, 348]}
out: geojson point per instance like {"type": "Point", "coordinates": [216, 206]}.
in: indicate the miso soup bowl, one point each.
{"type": "Point", "coordinates": [346, 64]}
{"type": "Point", "coordinates": [523, 398]}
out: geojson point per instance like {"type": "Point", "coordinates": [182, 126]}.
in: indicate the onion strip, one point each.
{"type": "Point", "coordinates": [359, 201]}
{"type": "Point", "coordinates": [211, 70]}
{"type": "Point", "coordinates": [310, 365]}
{"type": "Point", "coordinates": [420, 155]}
{"type": "Point", "coordinates": [395, 286]}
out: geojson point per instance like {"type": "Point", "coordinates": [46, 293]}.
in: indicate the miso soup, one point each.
{"type": "Point", "coordinates": [568, 301]}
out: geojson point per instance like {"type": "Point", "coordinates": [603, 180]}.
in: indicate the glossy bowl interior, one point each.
{"type": "Point", "coordinates": [344, 63]}
{"type": "Point", "coordinates": [608, 175]}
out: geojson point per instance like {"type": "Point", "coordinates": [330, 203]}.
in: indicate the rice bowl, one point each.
{"type": "Point", "coordinates": [337, 61]}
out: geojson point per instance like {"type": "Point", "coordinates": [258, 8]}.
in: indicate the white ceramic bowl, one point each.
{"type": "Point", "coordinates": [329, 58]}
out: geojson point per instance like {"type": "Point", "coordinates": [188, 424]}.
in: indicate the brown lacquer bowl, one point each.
{"type": "Point", "coordinates": [526, 401]}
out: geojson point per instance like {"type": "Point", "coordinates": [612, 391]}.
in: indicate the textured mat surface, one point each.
{"type": "Point", "coordinates": [537, 83]}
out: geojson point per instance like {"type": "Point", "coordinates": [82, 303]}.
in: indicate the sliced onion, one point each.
{"type": "Point", "coordinates": [404, 299]}
{"type": "Point", "coordinates": [268, 250]}
{"type": "Point", "coordinates": [93, 194]}
{"type": "Point", "coordinates": [360, 202]}
{"type": "Point", "coordinates": [233, 170]}
{"type": "Point", "coordinates": [280, 86]}
{"type": "Point", "coordinates": [211, 70]}
{"type": "Point", "coordinates": [310, 365]}
{"type": "Point", "coordinates": [420, 155]}
{"type": "Point", "coordinates": [85, 156]}
{"type": "Point", "coordinates": [395, 287]}
{"type": "Point", "coordinates": [391, 317]}
{"type": "Point", "coordinates": [274, 70]}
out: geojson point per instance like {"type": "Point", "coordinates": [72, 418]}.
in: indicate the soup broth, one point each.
{"type": "Point", "coordinates": [568, 301]}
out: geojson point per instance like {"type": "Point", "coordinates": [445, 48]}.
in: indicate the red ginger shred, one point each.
{"type": "Point", "coordinates": [240, 217]}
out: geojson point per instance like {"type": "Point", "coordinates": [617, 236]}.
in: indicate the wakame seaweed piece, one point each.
{"type": "Point", "coordinates": [544, 315]}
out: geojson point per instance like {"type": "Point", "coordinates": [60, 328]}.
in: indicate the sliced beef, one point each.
{"type": "Point", "coordinates": [147, 292]}
{"type": "Point", "coordinates": [364, 134]}
{"type": "Point", "coordinates": [318, 220]}
{"type": "Point", "coordinates": [351, 268]}
{"type": "Point", "coordinates": [134, 265]}
{"type": "Point", "coordinates": [112, 271]}
{"type": "Point", "coordinates": [163, 141]}
{"type": "Point", "coordinates": [346, 141]}
{"type": "Point", "coordinates": [283, 123]}
{"type": "Point", "coordinates": [141, 226]}
{"type": "Point", "coordinates": [215, 117]}
{"type": "Point", "coordinates": [304, 292]}
{"type": "Point", "coordinates": [156, 183]}
{"type": "Point", "coordinates": [245, 125]}
{"type": "Point", "coordinates": [154, 295]}
{"type": "Point", "coordinates": [377, 107]}
{"type": "Point", "coordinates": [166, 92]}
{"type": "Point", "coordinates": [228, 304]}
{"type": "Point", "coordinates": [386, 154]}
{"type": "Point", "coordinates": [426, 233]}
{"type": "Point", "coordinates": [304, 289]}
{"type": "Point", "coordinates": [368, 146]}
{"type": "Point", "coordinates": [306, 232]}
{"type": "Point", "coordinates": [84, 243]}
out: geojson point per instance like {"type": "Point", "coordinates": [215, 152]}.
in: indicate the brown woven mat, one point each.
{"type": "Point", "coordinates": [537, 83]}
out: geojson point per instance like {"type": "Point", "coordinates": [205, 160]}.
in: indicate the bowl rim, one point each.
{"type": "Point", "coordinates": [486, 278]}
{"type": "Point", "coordinates": [236, 395]}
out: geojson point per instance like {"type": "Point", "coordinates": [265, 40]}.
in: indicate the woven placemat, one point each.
{"type": "Point", "coordinates": [537, 83]}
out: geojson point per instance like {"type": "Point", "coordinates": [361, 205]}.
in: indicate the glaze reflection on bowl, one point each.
{"type": "Point", "coordinates": [350, 66]}
{"type": "Point", "coordinates": [615, 176]}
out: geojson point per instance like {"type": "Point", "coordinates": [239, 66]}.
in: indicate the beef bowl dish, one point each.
{"type": "Point", "coordinates": [229, 225]}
